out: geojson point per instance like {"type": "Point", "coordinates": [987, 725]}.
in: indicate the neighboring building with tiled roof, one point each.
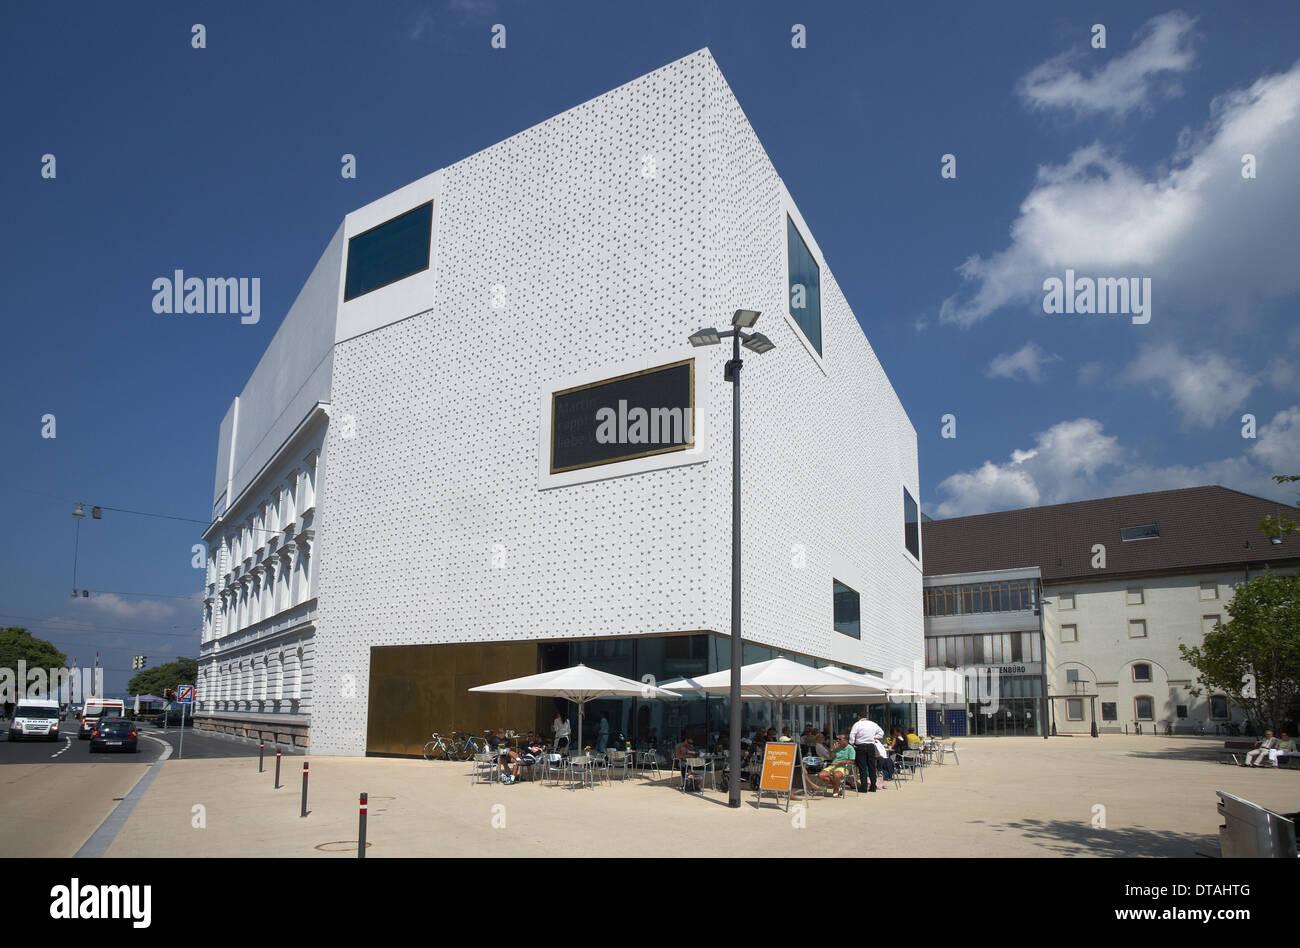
{"type": "Point", "coordinates": [1122, 582]}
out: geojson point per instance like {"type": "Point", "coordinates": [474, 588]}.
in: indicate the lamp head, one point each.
{"type": "Point", "coordinates": [759, 343]}
{"type": "Point", "coordinates": [745, 318]}
{"type": "Point", "coordinates": [704, 337]}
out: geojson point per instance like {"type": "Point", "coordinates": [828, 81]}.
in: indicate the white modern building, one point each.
{"type": "Point", "coordinates": [1080, 608]}
{"type": "Point", "coordinates": [414, 491]}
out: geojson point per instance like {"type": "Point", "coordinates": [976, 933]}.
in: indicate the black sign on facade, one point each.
{"type": "Point", "coordinates": [632, 416]}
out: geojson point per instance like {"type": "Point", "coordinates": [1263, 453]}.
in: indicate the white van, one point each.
{"type": "Point", "coordinates": [95, 709]}
{"type": "Point", "coordinates": [35, 717]}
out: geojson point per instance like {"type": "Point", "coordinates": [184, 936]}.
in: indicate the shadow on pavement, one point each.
{"type": "Point", "coordinates": [1077, 839]}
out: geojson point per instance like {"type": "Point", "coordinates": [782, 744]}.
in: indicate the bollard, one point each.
{"type": "Point", "coordinates": [261, 748]}
{"type": "Point", "coordinates": [304, 789]}
{"type": "Point", "coordinates": [277, 768]}
{"type": "Point", "coordinates": [361, 833]}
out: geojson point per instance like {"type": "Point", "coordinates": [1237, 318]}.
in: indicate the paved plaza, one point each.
{"type": "Point", "coordinates": [1112, 796]}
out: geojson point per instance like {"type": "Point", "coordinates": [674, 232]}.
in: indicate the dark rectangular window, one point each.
{"type": "Point", "coordinates": [1144, 707]}
{"type": "Point", "coordinates": [911, 525]}
{"type": "Point", "coordinates": [805, 297]}
{"type": "Point", "coordinates": [1147, 531]}
{"type": "Point", "coordinates": [390, 252]}
{"type": "Point", "coordinates": [1109, 711]}
{"type": "Point", "coordinates": [630, 416]}
{"type": "Point", "coordinates": [1219, 707]}
{"type": "Point", "coordinates": [848, 610]}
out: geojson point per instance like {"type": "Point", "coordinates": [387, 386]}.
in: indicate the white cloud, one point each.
{"type": "Point", "coordinates": [1205, 388]}
{"type": "Point", "coordinates": [1089, 372]}
{"type": "Point", "coordinates": [1026, 362]}
{"type": "Point", "coordinates": [1277, 444]}
{"type": "Point", "coordinates": [1125, 82]}
{"type": "Point", "coordinates": [1206, 236]}
{"type": "Point", "coordinates": [423, 24]}
{"type": "Point", "coordinates": [1076, 460]}
{"type": "Point", "coordinates": [1282, 375]}
{"type": "Point", "coordinates": [1062, 465]}
{"type": "Point", "coordinates": [111, 605]}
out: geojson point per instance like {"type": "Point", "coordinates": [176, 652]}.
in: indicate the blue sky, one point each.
{"type": "Point", "coordinates": [1118, 162]}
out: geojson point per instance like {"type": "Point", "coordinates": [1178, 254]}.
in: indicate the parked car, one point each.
{"type": "Point", "coordinates": [111, 734]}
{"type": "Point", "coordinates": [35, 717]}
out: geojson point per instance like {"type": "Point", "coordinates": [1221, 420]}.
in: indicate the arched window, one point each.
{"type": "Point", "coordinates": [279, 676]}
{"type": "Point", "coordinates": [297, 674]}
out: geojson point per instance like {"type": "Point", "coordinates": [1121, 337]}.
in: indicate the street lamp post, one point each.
{"type": "Point", "coordinates": [758, 343]}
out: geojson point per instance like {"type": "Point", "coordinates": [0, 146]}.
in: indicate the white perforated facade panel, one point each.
{"type": "Point", "coordinates": [602, 237]}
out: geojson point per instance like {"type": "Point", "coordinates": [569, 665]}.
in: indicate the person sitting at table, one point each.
{"type": "Point", "coordinates": [913, 738]}
{"type": "Point", "coordinates": [771, 735]}
{"type": "Point", "coordinates": [884, 760]}
{"type": "Point", "coordinates": [898, 743]}
{"type": "Point", "coordinates": [509, 759]}
{"type": "Point", "coordinates": [819, 746]}
{"type": "Point", "coordinates": [839, 765]}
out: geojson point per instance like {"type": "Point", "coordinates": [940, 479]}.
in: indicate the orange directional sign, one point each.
{"type": "Point", "coordinates": [778, 766]}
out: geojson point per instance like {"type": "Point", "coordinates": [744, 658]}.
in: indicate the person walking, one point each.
{"type": "Point", "coordinates": [862, 738]}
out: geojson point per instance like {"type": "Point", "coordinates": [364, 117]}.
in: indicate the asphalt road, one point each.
{"type": "Point", "coordinates": [69, 749]}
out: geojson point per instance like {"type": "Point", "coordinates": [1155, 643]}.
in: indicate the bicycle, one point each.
{"type": "Point", "coordinates": [467, 745]}
{"type": "Point", "coordinates": [439, 748]}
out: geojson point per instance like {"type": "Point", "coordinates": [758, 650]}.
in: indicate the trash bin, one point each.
{"type": "Point", "coordinates": [1250, 831]}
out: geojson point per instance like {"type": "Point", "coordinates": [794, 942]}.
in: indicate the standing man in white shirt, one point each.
{"type": "Point", "coordinates": [863, 737]}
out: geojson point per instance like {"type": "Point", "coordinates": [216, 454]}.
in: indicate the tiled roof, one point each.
{"type": "Point", "coordinates": [1200, 527]}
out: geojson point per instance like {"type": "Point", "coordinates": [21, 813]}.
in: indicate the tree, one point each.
{"type": "Point", "coordinates": [155, 681]}
{"type": "Point", "coordinates": [1255, 658]}
{"type": "Point", "coordinates": [1280, 526]}
{"type": "Point", "coordinates": [17, 644]}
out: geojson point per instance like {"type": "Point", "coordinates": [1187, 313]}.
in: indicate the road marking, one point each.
{"type": "Point", "coordinates": [67, 745]}
{"type": "Point", "coordinates": [102, 838]}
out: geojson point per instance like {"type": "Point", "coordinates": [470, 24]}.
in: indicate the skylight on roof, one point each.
{"type": "Point", "coordinates": [1148, 531]}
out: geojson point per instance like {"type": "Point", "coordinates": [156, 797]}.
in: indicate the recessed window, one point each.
{"type": "Point", "coordinates": [1181, 710]}
{"type": "Point", "coordinates": [1209, 590]}
{"type": "Point", "coordinates": [1071, 676]}
{"type": "Point", "coordinates": [805, 297]}
{"type": "Point", "coordinates": [1209, 624]}
{"type": "Point", "coordinates": [1137, 628]}
{"type": "Point", "coordinates": [1134, 596]}
{"type": "Point", "coordinates": [1069, 633]}
{"type": "Point", "coordinates": [390, 252]}
{"type": "Point", "coordinates": [848, 610]}
{"type": "Point", "coordinates": [1144, 707]}
{"type": "Point", "coordinates": [1141, 672]}
{"type": "Point", "coordinates": [1066, 601]}
{"type": "Point", "coordinates": [1147, 531]}
{"type": "Point", "coordinates": [1109, 711]}
{"type": "Point", "coordinates": [911, 525]}
{"type": "Point", "coordinates": [1074, 709]}
{"type": "Point", "coordinates": [1218, 707]}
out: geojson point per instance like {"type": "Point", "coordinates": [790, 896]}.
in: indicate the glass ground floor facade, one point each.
{"type": "Point", "coordinates": [1017, 709]}
{"type": "Point", "coordinates": [415, 690]}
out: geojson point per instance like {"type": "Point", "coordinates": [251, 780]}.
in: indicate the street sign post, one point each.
{"type": "Point", "coordinates": [185, 696]}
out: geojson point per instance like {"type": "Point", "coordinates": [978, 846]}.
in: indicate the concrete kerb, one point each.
{"type": "Point", "coordinates": [103, 837]}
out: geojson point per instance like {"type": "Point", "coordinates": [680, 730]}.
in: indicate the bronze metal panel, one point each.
{"type": "Point", "coordinates": [418, 689]}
